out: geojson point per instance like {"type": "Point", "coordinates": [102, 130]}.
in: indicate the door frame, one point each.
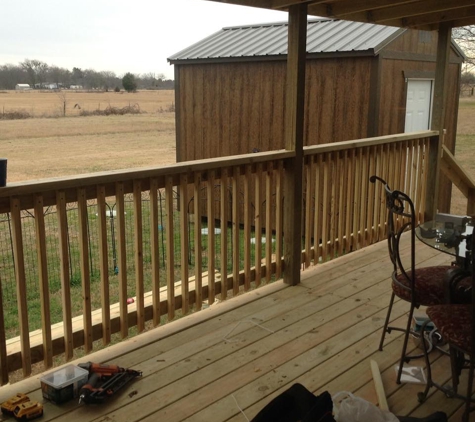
{"type": "Point", "coordinates": [420, 77]}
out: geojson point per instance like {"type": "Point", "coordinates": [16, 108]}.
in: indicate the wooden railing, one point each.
{"type": "Point", "coordinates": [175, 217]}
{"type": "Point", "coordinates": [200, 231]}
{"type": "Point", "coordinates": [459, 177]}
{"type": "Point", "coordinates": [342, 209]}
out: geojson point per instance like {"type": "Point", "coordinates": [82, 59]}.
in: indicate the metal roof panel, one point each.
{"type": "Point", "coordinates": [323, 36]}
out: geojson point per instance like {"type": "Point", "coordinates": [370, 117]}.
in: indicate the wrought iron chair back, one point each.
{"type": "Point", "coordinates": [401, 219]}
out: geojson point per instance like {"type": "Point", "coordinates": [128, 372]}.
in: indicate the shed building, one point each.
{"type": "Point", "coordinates": [362, 80]}
{"type": "Point", "coordinates": [22, 87]}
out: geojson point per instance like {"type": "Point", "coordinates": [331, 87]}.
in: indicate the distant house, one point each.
{"type": "Point", "coordinates": [75, 87]}
{"type": "Point", "coordinates": [22, 87]}
{"type": "Point", "coordinates": [46, 85]}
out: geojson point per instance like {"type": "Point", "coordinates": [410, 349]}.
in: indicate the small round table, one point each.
{"type": "Point", "coordinates": [451, 239]}
{"type": "Point", "coordinates": [446, 237]}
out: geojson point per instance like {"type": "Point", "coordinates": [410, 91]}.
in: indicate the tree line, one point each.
{"type": "Point", "coordinates": [38, 74]}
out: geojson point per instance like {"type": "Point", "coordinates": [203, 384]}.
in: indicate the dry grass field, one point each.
{"type": "Point", "coordinates": [39, 148]}
{"type": "Point", "coordinates": [50, 103]}
{"type": "Point", "coordinates": [49, 147]}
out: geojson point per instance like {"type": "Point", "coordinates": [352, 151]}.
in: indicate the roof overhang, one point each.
{"type": "Point", "coordinates": [421, 14]}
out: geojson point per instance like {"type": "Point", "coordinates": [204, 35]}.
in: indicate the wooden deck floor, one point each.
{"type": "Point", "coordinates": [241, 353]}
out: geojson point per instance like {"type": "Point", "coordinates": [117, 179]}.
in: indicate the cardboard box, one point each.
{"type": "Point", "coordinates": [64, 384]}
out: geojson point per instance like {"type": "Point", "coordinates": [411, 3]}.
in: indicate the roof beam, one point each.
{"type": "Point", "coordinates": [263, 4]}
{"type": "Point", "coordinates": [465, 21]}
{"type": "Point", "coordinates": [284, 4]}
{"type": "Point", "coordinates": [422, 14]}
{"type": "Point", "coordinates": [408, 13]}
{"type": "Point", "coordinates": [466, 13]}
{"type": "Point", "coordinates": [418, 9]}
{"type": "Point", "coordinates": [345, 7]}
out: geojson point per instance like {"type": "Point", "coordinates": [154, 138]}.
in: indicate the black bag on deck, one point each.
{"type": "Point", "coordinates": [297, 404]}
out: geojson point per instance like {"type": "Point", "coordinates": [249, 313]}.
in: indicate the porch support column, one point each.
{"type": "Point", "coordinates": [294, 120]}
{"type": "Point", "coordinates": [438, 119]}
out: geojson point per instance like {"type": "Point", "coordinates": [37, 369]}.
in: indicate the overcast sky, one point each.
{"type": "Point", "coordinates": [118, 35]}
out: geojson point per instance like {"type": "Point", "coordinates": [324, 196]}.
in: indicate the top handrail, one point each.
{"type": "Point", "coordinates": [368, 142]}
{"type": "Point", "coordinates": [113, 176]}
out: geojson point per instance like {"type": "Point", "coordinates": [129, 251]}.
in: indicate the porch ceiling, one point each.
{"type": "Point", "coordinates": [422, 14]}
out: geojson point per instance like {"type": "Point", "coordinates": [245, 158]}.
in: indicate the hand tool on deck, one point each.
{"type": "Point", "coordinates": [104, 381]}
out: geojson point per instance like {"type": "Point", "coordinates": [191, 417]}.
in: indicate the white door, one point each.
{"type": "Point", "coordinates": [418, 105]}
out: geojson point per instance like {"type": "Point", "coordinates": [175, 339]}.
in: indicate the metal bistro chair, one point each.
{"type": "Point", "coordinates": [419, 286]}
{"type": "Point", "coordinates": [455, 323]}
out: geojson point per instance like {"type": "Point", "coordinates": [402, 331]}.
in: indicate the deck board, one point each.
{"type": "Point", "coordinates": [236, 356]}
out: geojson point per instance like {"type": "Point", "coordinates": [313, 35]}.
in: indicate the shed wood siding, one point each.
{"type": "Point", "coordinates": [415, 42]}
{"type": "Point", "coordinates": [337, 99]}
{"type": "Point", "coordinates": [234, 108]}
{"type": "Point", "coordinates": [230, 109]}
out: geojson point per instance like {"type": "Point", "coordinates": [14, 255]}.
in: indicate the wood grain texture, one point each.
{"type": "Point", "coordinates": [4, 375]}
{"type": "Point", "coordinates": [85, 271]}
{"type": "Point", "coordinates": [197, 239]}
{"type": "Point", "coordinates": [122, 259]}
{"type": "Point", "coordinates": [224, 205]}
{"type": "Point", "coordinates": [103, 214]}
{"type": "Point", "coordinates": [170, 270]}
{"type": "Point", "coordinates": [138, 258]}
{"type": "Point", "coordinates": [41, 250]}
{"type": "Point", "coordinates": [184, 247]}
{"type": "Point", "coordinates": [155, 251]}
{"type": "Point", "coordinates": [65, 278]}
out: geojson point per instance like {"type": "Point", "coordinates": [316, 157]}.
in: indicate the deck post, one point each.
{"type": "Point", "coordinates": [438, 119]}
{"type": "Point", "coordinates": [294, 120]}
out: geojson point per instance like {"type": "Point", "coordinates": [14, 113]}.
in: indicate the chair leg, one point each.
{"type": "Point", "coordinates": [386, 323]}
{"type": "Point", "coordinates": [406, 340]}
{"type": "Point", "coordinates": [455, 367]}
{"type": "Point", "coordinates": [423, 395]}
{"type": "Point", "coordinates": [468, 402]}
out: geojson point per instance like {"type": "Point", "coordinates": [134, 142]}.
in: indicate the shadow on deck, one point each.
{"type": "Point", "coordinates": [228, 361]}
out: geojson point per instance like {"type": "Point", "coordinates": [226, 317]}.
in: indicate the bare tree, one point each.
{"type": "Point", "coordinates": [10, 75]}
{"type": "Point", "coordinates": [59, 75]}
{"type": "Point", "coordinates": [465, 37]}
{"type": "Point", "coordinates": [110, 80]}
{"type": "Point", "coordinates": [35, 69]}
{"type": "Point", "coordinates": [63, 101]}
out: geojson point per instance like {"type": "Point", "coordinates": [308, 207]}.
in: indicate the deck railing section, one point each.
{"type": "Point", "coordinates": [343, 211]}
{"type": "Point", "coordinates": [459, 177]}
{"type": "Point", "coordinates": [178, 238]}
{"type": "Point", "coordinates": [200, 231]}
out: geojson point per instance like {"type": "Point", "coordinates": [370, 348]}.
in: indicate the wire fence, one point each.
{"type": "Point", "coordinates": [7, 260]}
